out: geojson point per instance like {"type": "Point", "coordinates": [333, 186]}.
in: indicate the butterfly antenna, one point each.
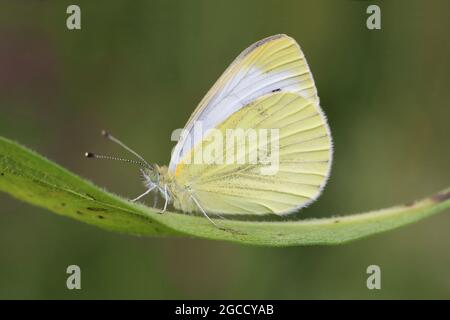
{"type": "Point", "coordinates": [98, 156]}
{"type": "Point", "coordinates": [120, 143]}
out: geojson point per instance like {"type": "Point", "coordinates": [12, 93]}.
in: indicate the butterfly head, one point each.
{"type": "Point", "coordinates": [151, 176]}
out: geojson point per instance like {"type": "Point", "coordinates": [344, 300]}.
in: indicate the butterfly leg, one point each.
{"type": "Point", "coordinates": [203, 211]}
{"type": "Point", "coordinates": [166, 197]}
{"type": "Point", "coordinates": [143, 195]}
{"type": "Point", "coordinates": [155, 199]}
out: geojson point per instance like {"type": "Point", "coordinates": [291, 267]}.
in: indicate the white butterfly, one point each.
{"type": "Point", "coordinates": [268, 86]}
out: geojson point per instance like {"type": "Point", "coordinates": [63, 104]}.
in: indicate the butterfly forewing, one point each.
{"type": "Point", "coordinates": [272, 64]}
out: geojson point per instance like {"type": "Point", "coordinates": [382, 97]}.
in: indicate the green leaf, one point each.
{"type": "Point", "coordinates": [34, 179]}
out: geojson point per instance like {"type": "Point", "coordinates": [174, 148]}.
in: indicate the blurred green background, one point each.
{"type": "Point", "coordinates": [139, 68]}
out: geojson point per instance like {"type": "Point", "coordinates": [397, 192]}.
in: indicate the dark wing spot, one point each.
{"type": "Point", "coordinates": [276, 90]}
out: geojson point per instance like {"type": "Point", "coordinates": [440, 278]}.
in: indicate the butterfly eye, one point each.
{"type": "Point", "coordinates": [151, 175]}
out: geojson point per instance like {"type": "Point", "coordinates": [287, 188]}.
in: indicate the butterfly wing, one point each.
{"type": "Point", "coordinates": [296, 177]}
{"type": "Point", "coordinates": [274, 63]}
{"type": "Point", "coordinates": [268, 86]}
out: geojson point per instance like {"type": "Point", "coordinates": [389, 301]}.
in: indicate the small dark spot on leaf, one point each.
{"type": "Point", "coordinates": [79, 212]}
{"type": "Point", "coordinates": [236, 232]}
{"type": "Point", "coordinates": [90, 196]}
{"type": "Point", "coordinates": [280, 234]}
{"type": "Point", "coordinates": [101, 217]}
{"type": "Point", "coordinates": [2, 174]}
{"type": "Point", "coordinates": [441, 196]}
{"type": "Point", "coordinates": [96, 209]}
{"type": "Point", "coordinates": [276, 90]}
{"type": "Point", "coordinates": [410, 204]}
{"type": "Point", "coordinates": [63, 204]}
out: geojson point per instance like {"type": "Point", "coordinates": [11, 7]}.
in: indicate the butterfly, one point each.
{"type": "Point", "coordinates": [269, 86]}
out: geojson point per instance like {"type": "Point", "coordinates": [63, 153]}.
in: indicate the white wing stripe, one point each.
{"type": "Point", "coordinates": [248, 78]}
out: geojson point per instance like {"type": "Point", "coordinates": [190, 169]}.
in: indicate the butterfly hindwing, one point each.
{"type": "Point", "coordinates": [240, 187]}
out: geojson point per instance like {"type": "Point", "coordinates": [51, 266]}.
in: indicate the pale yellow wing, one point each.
{"type": "Point", "coordinates": [272, 64]}
{"type": "Point", "coordinates": [304, 159]}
